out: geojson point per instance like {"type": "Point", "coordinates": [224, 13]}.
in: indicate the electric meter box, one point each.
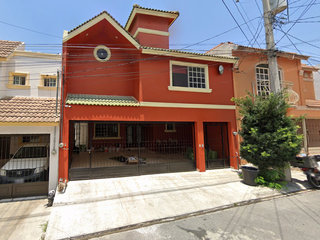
{"type": "Point", "coordinates": [277, 6]}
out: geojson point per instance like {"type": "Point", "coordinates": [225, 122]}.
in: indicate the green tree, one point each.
{"type": "Point", "coordinates": [269, 136]}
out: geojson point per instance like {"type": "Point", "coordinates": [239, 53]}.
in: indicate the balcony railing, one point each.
{"type": "Point", "coordinates": [293, 96]}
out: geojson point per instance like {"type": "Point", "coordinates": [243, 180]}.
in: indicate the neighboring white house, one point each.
{"type": "Point", "coordinates": [316, 76]}
{"type": "Point", "coordinates": [29, 114]}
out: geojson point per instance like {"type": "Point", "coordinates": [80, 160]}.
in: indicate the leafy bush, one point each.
{"type": "Point", "coordinates": [269, 136]}
{"type": "Point", "coordinates": [189, 153]}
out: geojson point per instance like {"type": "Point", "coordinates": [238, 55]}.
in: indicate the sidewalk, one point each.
{"type": "Point", "coordinates": [23, 218]}
{"type": "Point", "coordinates": [102, 206]}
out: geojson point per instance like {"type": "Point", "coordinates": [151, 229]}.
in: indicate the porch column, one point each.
{"type": "Point", "coordinates": [64, 151]}
{"type": "Point", "coordinates": [199, 146]}
{"type": "Point", "coordinates": [234, 145]}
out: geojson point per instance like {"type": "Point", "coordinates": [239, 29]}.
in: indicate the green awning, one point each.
{"type": "Point", "coordinates": [102, 100]}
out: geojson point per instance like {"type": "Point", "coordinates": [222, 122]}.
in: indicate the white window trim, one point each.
{"type": "Point", "coordinates": [190, 89]}
{"type": "Point", "coordinates": [281, 80]}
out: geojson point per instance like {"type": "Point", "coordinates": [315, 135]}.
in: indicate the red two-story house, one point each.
{"type": "Point", "coordinates": [132, 106]}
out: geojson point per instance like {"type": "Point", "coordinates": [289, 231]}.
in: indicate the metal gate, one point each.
{"type": "Point", "coordinates": [120, 149]}
{"type": "Point", "coordinates": [216, 145]}
{"type": "Point", "coordinates": [313, 132]}
{"type": "Point", "coordinates": [24, 165]}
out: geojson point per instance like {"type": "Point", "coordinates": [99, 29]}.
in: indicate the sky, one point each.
{"type": "Point", "coordinates": [201, 25]}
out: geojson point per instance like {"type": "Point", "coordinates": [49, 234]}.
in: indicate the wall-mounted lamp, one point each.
{"type": "Point", "coordinates": [67, 106]}
{"type": "Point", "coordinates": [235, 133]}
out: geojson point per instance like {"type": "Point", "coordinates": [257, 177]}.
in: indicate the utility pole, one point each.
{"type": "Point", "coordinates": [271, 49]}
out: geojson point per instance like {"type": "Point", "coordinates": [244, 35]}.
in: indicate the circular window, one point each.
{"type": "Point", "coordinates": [102, 53]}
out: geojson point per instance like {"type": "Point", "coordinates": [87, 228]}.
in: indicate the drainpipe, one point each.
{"type": "Point", "coordinates": [57, 95]}
{"type": "Point", "coordinates": [55, 128]}
{"type": "Point", "coordinates": [62, 106]}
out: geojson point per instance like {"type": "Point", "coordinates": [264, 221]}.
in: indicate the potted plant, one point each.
{"type": "Point", "coordinates": [269, 137]}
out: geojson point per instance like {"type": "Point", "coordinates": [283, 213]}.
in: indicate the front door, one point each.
{"type": "Point", "coordinates": [216, 145]}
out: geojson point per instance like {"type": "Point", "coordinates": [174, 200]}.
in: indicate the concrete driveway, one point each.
{"type": "Point", "coordinates": [23, 218]}
{"type": "Point", "coordinates": [98, 207]}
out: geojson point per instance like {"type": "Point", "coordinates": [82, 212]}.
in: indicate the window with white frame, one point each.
{"type": "Point", "coordinates": [49, 82]}
{"type": "Point", "coordinates": [263, 79]}
{"type": "Point", "coordinates": [189, 76]}
{"type": "Point", "coordinates": [19, 80]}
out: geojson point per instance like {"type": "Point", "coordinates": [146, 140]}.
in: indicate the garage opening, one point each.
{"type": "Point", "coordinates": [24, 165]}
{"type": "Point", "coordinates": [119, 149]}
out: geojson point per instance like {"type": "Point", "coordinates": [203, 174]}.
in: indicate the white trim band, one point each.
{"type": "Point", "coordinates": [186, 105]}
{"type": "Point", "coordinates": [189, 89]}
{"type": "Point", "coordinates": [151, 31]}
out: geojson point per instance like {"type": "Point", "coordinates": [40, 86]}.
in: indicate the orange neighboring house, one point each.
{"type": "Point", "coordinates": [131, 106]}
{"type": "Point", "coordinates": [252, 74]}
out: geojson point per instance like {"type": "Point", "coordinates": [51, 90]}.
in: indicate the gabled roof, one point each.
{"type": "Point", "coordinates": [28, 110]}
{"type": "Point", "coordinates": [150, 11]}
{"type": "Point", "coordinates": [103, 15]}
{"type": "Point", "coordinates": [233, 46]}
{"type": "Point", "coordinates": [8, 47]}
{"type": "Point", "coordinates": [102, 100]}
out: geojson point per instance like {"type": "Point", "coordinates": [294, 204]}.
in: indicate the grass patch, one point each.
{"type": "Point", "coordinates": [44, 226]}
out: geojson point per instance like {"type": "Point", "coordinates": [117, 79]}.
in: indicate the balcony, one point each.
{"type": "Point", "coordinates": [293, 97]}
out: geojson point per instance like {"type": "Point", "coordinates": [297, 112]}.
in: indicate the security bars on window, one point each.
{"type": "Point", "coordinates": [104, 130]}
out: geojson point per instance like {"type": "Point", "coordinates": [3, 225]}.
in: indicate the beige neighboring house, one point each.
{"type": "Point", "coordinates": [29, 120]}
{"type": "Point", "coordinates": [251, 74]}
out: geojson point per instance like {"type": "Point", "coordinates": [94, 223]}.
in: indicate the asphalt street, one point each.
{"type": "Point", "coordinates": [293, 217]}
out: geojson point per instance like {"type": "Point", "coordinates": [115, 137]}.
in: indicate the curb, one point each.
{"type": "Point", "coordinates": [183, 216]}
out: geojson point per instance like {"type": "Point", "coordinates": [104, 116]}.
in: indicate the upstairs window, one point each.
{"type": "Point", "coordinates": [19, 80]}
{"type": "Point", "coordinates": [49, 82]}
{"type": "Point", "coordinates": [189, 77]}
{"type": "Point", "coordinates": [263, 79]}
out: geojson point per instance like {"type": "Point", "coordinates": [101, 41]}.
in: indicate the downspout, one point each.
{"type": "Point", "coordinates": [55, 127]}
{"type": "Point", "coordinates": [62, 106]}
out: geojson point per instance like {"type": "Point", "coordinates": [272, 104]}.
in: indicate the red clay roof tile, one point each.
{"type": "Point", "coordinates": [29, 109]}
{"type": "Point", "coordinates": [7, 47]}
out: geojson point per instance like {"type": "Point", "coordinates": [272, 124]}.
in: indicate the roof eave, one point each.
{"type": "Point", "coordinates": [214, 58]}
{"type": "Point", "coordinates": [136, 10]}
{"type": "Point", "coordinates": [92, 22]}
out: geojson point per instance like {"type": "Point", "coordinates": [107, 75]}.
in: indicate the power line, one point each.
{"type": "Point", "coordinates": [244, 20]}
{"type": "Point", "coordinates": [304, 12]}
{"type": "Point", "coordinates": [27, 29]}
{"type": "Point", "coordinates": [235, 20]}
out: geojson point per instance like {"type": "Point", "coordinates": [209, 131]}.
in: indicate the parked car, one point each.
{"type": "Point", "coordinates": [30, 163]}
